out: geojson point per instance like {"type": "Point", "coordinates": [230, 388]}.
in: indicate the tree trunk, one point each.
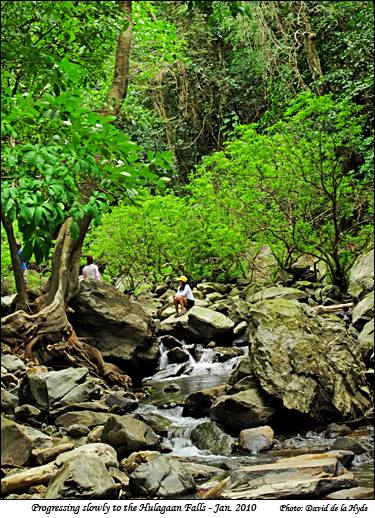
{"type": "Point", "coordinates": [309, 38]}
{"type": "Point", "coordinates": [62, 286]}
{"type": "Point", "coordinates": [119, 87]}
{"type": "Point", "coordinates": [49, 327]}
{"type": "Point", "coordinates": [21, 300]}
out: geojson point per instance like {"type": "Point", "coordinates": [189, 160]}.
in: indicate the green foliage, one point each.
{"type": "Point", "coordinates": [293, 187]}
{"type": "Point", "coordinates": [163, 237]}
{"type": "Point", "coordinates": [61, 147]}
{"type": "Point", "coordinates": [60, 157]}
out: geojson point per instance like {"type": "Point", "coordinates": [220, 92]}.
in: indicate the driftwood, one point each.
{"type": "Point", "coordinates": [332, 309]}
{"type": "Point", "coordinates": [28, 478]}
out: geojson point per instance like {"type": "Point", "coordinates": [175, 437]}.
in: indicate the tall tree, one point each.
{"type": "Point", "coordinates": [61, 171]}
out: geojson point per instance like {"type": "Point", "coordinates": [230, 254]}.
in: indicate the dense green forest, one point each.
{"type": "Point", "coordinates": [181, 137]}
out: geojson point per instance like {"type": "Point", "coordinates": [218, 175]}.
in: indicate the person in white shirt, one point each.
{"type": "Point", "coordinates": [90, 271]}
{"type": "Point", "coordinates": [184, 296]}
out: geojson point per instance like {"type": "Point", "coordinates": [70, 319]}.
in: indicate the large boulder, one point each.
{"type": "Point", "coordinates": [117, 326]}
{"type": "Point", "coordinates": [245, 409]}
{"type": "Point", "coordinates": [45, 390]}
{"type": "Point", "coordinates": [161, 478]}
{"type": "Point", "coordinates": [18, 441]}
{"type": "Point", "coordinates": [87, 418]}
{"type": "Point", "coordinates": [198, 323]}
{"type": "Point", "coordinates": [82, 477]}
{"type": "Point", "coordinates": [127, 434]}
{"type": "Point", "coordinates": [308, 361]}
{"type": "Point", "coordinates": [105, 452]}
{"type": "Point", "coordinates": [361, 280]}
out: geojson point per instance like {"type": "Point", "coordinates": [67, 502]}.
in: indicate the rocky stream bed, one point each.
{"type": "Point", "coordinates": [255, 393]}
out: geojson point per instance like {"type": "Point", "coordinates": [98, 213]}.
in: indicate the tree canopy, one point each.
{"type": "Point", "coordinates": [239, 124]}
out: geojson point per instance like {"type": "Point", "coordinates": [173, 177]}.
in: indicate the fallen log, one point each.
{"type": "Point", "coordinates": [28, 478]}
{"type": "Point", "coordinates": [332, 309]}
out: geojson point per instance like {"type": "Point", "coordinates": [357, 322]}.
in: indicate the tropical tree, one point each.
{"type": "Point", "coordinates": [301, 186]}
{"type": "Point", "coordinates": [65, 162]}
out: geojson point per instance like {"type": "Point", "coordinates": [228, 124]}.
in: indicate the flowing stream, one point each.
{"type": "Point", "coordinates": [201, 370]}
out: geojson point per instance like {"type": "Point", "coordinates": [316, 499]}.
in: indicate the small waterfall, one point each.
{"type": "Point", "coordinates": [178, 439]}
{"type": "Point", "coordinates": [192, 375]}
{"type": "Point", "coordinates": [163, 361]}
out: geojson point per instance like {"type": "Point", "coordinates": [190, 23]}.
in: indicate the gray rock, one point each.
{"type": "Point", "coordinates": [366, 339]}
{"type": "Point", "coordinates": [208, 436]}
{"type": "Point", "coordinates": [84, 392]}
{"type": "Point", "coordinates": [242, 410]}
{"type": "Point", "coordinates": [44, 455]}
{"type": "Point", "coordinates": [198, 323]}
{"type": "Point", "coordinates": [46, 389]}
{"type": "Point", "coordinates": [177, 355]}
{"type": "Point", "coordinates": [213, 297]}
{"type": "Point", "coordinates": [201, 472]}
{"type": "Point", "coordinates": [354, 493]}
{"type": "Point", "coordinates": [121, 405]}
{"type": "Point", "coordinates": [198, 404]}
{"type": "Point", "coordinates": [287, 479]}
{"type": "Point", "coordinates": [348, 443]}
{"type": "Point", "coordinates": [8, 400]}
{"type": "Point", "coordinates": [212, 287]}
{"type": "Point", "coordinates": [24, 412]}
{"type": "Point", "coordinates": [84, 477]}
{"type": "Point", "coordinates": [118, 327]}
{"type": "Point", "coordinates": [361, 280]}
{"type": "Point", "coordinates": [78, 430]}
{"type": "Point", "coordinates": [172, 387]}
{"type": "Point", "coordinates": [242, 370]}
{"type": "Point", "coordinates": [159, 424]}
{"type": "Point", "coordinates": [257, 439]}
{"type": "Point", "coordinates": [161, 478]}
{"type": "Point", "coordinates": [86, 418]}
{"type": "Point", "coordinates": [363, 311]}
{"type": "Point", "coordinates": [335, 430]}
{"type": "Point", "coordinates": [170, 342]}
{"type": "Point", "coordinates": [307, 361]}
{"type": "Point", "coordinates": [277, 292]}
{"type": "Point", "coordinates": [18, 441]}
{"type": "Point", "coordinates": [127, 434]}
{"type": "Point", "coordinates": [92, 406]}
{"type": "Point", "coordinates": [249, 382]}
{"type": "Point", "coordinates": [103, 451]}
{"type": "Point", "coordinates": [223, 354]}
{"type": "Point", "coordinates": [96, 434]}
{"type": "Point", "coordinates": [137, 458]}
{"type": "Point", "coordinates": [13, 364]}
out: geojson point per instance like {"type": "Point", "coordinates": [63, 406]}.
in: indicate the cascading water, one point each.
{"type": "Point", "coordinates": [178, 439]}
{"type": "Point", "coordinates": [192, 375]}
{"type": "Point", "coordinates": [205, 372]}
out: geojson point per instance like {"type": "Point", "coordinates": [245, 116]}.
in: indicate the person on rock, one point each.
{"type": "Point", "coordinates": [90, 271]}
{"type": "Point", "coordinates": [184, 296]}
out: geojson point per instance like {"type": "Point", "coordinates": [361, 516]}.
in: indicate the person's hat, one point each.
{"type": "Point", "coordinates": [182, 278]}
